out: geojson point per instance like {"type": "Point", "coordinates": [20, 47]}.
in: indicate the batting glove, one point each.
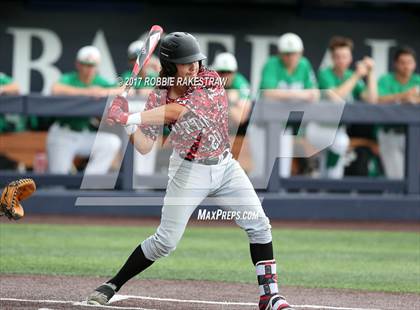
{"type": "Point", "coordinates": [116, 115]}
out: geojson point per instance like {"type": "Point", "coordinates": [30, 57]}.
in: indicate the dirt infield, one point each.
{"type": "Point", "coordinates": [61, 292]}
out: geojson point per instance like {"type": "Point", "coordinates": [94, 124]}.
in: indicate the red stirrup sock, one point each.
{"type": "Point", "coordinates": [269, 291]}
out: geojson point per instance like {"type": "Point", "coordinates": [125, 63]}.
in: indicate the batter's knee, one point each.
{"type": "Point", "coordinates": [161, 244]}
{"type": "Point", "coordinates": [259, 230]}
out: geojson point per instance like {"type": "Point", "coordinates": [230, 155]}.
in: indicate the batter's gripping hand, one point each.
{"type": "Point", "coordinates": [12, 195]}
{"type": "Point", "coordinates": [118, 111]}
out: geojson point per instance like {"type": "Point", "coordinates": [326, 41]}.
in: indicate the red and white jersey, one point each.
{"type": "Point", "coordinates": [202, 132]}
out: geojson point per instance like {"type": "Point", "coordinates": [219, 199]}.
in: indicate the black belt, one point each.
{"type": "Point", "coordinates": [211, 160]}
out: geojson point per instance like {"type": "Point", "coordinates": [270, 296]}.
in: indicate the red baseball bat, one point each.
{"type": "Point", "coordinates": [145, 54]}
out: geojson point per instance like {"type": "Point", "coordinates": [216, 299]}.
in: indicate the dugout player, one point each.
{"type": "Point", "coordinates": [71, 136]}
{"type": "Point", "coordinates": [402, 87]}
{"type": "Point", "coordinates": [350, 86]}
{"type": "Point", "coordinates": [346, 83]}
{"type": "Point", "coordinates": [288, 76]}
{"type": "Point", "coordinates": [238, 91]}
{"type": "Point", "coordinates": [201, 165]}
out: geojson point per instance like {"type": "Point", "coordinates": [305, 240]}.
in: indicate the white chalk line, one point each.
{"type": "Point", "coordinates": [119, 297]}
{"type": "Point", "coordinates": [225, 303]}
{"type": "Point", "coordinates": [74, 303]}
{"type": "Point", "coordinates": [194, 301]}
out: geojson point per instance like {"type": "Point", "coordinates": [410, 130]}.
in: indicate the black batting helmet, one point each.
{"type": "Point", "coordinates": [179, 48]}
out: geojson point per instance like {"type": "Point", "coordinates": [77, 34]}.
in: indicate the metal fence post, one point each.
{"type": "Point", "coordinates": [412, 155]}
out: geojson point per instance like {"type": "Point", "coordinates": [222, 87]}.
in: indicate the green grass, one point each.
{"type": "Point", "coordinates": [366, 260]}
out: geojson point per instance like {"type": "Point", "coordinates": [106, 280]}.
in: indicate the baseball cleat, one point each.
{"type": "Point", "coordinates": [102, 294]}
{"type": "Point", "coordinates": [274, 302]}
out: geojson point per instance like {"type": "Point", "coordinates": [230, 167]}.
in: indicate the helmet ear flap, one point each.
{"type": "Point", "coordinates": [169, 68]}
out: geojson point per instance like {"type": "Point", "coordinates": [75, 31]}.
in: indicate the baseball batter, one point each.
{"type": "Point", "coordinates": [200, 166]}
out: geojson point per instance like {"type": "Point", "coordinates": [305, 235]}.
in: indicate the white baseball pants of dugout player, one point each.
{"type": "Point", "coordinates": [392, 150]}
{"type": "Point", "coordinates": [63, 144]}
{"type": "Point", "coordinates": [320, 135]}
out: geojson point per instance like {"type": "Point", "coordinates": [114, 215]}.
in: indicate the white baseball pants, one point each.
{"type": "Point", "coordinates": [189, 184]}
{"type": "Point", "coordinates": [392, 150]}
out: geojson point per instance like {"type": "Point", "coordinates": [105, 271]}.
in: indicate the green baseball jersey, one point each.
{"type": "Point", "coordinates": [328, 79]}
{"type": "Point", "coordinates": [275, 75]}
{"type": "Point", "coordinates": [139, 83]}
{"type": "Point", "coordinates": [389, 85]}
{"type": "Point", "coordinates": [72, 79]}
{"type": "Point", "coordinates": [5, 79]}
{"type": "Point", "coordinates": [241, 84]}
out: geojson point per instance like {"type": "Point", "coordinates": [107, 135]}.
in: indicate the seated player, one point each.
{"type": "Point", "coordinates": [399, 87]}
{"type": "Point", "coordinates": [288, 76]}
{"type": "Point", "coordinates": [72, 136]}
{"type": "Point", "coordinates": [348, 85]}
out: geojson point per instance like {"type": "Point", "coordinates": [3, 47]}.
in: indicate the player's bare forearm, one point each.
{"type": "Point", "coordinates": [371, 93]}
{"type": "Point", "coordinates": [141, 142]}
{"type": "Point", "coordinates": [414, 100]}
{"type": "Point", "coordinates": [113, 91]}
{"type": "Point", "coordinates": [389, 99]}
{"type": "Point", "coordinates": [347, 87]}
{"type": "Point", "coordinates": [10, 89]}
{"type": "Point", "coordinates": [164, 114]}
{"type": "Point", "coordinates": [240, 111]}
{"type": "Point", "coordinates": [308, 95]}
{"type": "Point", "coordinates": [280, 94]}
